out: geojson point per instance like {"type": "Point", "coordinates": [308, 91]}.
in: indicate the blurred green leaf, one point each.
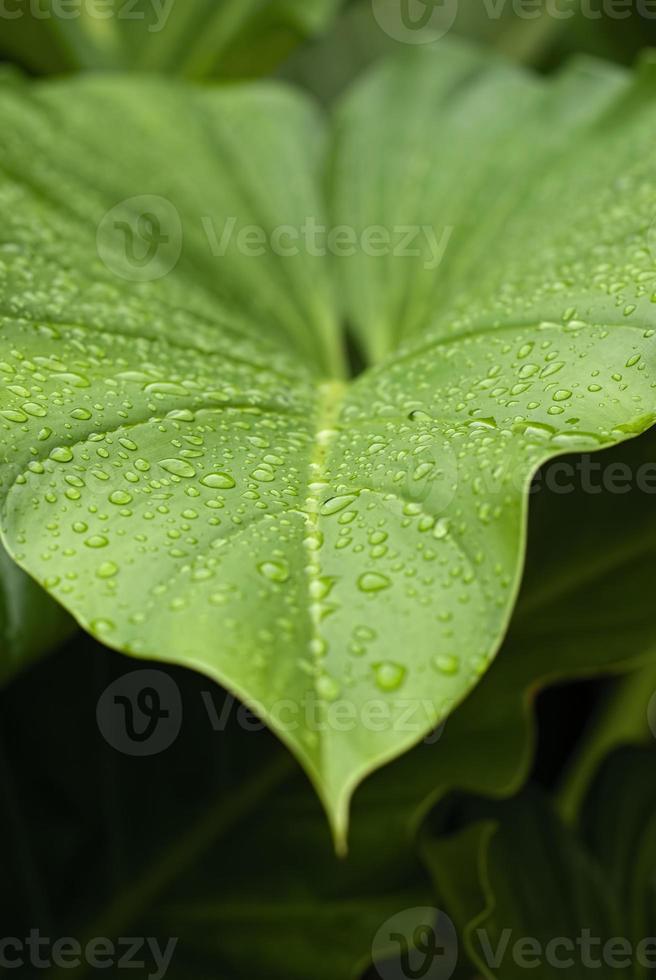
{"type": "Point", "coordinates": [218, 840]}
{"type": "Point", "coordinates": [619, 32]}
{"type": "Point", "coordinates": [526, 893]}
{"type": "Point", "coordinates": [31, 623]}
{"type": "Point", "coordinates": [191, 37]}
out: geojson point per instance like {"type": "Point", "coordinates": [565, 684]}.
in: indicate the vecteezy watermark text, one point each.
{"type": "Point", "coordinates": [565, 952]}
{"type": "Point", "coordinates": [423, 942]}
{"type": "Point", "coordinates": [406, 716]}
{"type": "Point", "coordinates": [140, 239]}
{"type": "Point", "coordinates": [318, 240]}
{"type": "Point", "coordinates": [123, 10]}
{"type": "Point", "coordinates": [140, 714]}
{"type": "Point", "coordinates": [130, 953]}
{"type": "Point", "coordinates": [427, 21]}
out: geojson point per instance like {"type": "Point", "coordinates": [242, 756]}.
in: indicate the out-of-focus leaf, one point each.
{"type": "Point", "coordinates": [191, 37]}
{"type": "Point", "coordinates": [31, 623]}
{"type": "Point", "coordinates": [218, 840]}
{"type": "Point", "coordinates": [533, 36]}
{"type": "Point", "coordinates": [524, 890]}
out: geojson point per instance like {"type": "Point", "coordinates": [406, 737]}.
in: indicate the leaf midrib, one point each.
{"type": "Point", "coordinates": [330, 399]}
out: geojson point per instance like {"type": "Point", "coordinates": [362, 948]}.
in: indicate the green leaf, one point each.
{"type": "Point", "coordinates": [584, 612]}
{"type": "Point", "coordinates": [174, 844]}
{"type": "Point", "coordinates": [278, 891]}
{"type": "Point", "coordinates": [619, 823]}
{"type": "Point", "coordinates": [187, 469]}
{"type": "Point", "coordinates": [192, 37]}
{"type": "Point", "coordinates": [31, 623]}
{"type": "Point", "coordinates": [522, 876]}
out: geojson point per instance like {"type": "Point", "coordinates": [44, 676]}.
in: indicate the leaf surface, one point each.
{"type": "Point", "coordinates": [187, 470]}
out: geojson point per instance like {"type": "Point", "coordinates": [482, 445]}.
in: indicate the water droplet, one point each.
{"type": "Point", "coordinates": [37, 411]}
{"type": "Point", "coordinates": [314, 540]}
{"type": "Point", "coordinates": [447, 664]}
{"type": "Point", "coordinates": [274, 571]}
{"type": "Point", "coordinates": [441, 529]}
{"type": "Point", "coordinates": [14, 415]}
{"type": "Point", "coordinates": [327, 688]}
{"type": "Point", "coordinates": [373, 582]}
{"type": "Point", "coordinates": [389, 676]}
{"type": "Point", "coordinates": [335, 504]}
{"type": "Point", "coordinates": [218, 481]}
{"type": "Point", "coordinates": [96, 541]}
{"type": "Point", "coordinates": [178, 467]}
{"type": "Point", "coordinates": [107, 570]}
{"type": "Point", "coordinates": [320, 588]}
{"type": "Point", "coordinates": [264, 474]}
{"type": "Point", "coordinates": [61, 454]}
{"type": "Point", "coordinates": [101, 626]}
{"type": "Point", "coordinates": [120, 497]}
{"type": "Point", "coordinates": [552, 368]}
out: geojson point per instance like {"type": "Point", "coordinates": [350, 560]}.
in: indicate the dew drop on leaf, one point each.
{"type": "Point", "coordinates": [274, 571]}
{"type": "Point", "coordinates": [336, 504]}
{"type": "Point", "coordinates": [373, 582]}
{"type": "Point", "coordinates": [178, 467]}
{"type": "Point", "coordinates": [389, 676]}
{"type": "Point", "coordinates": [61, 454]}
{"type": "Point", "coordinates": [218, 481]}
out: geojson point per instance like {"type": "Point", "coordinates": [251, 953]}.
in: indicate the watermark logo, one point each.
{"type": "Point", "coordinates": [423, 243]}
{"type": "Point", "coordinates": [426, 21]}
{"type": "Point", "coordinates": [416, 21]}
{"type": "Point", "coordinates": [416, 944]}
{"type": "Point", "coordinates": [140, 714]}
{"type": "Point", "coordinates": [140, 239]}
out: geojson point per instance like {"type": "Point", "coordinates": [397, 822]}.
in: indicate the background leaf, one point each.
{"type": "Point", "coordinates": [31, 623]}
{"type": "Point", "coordinates": [527, 876]}
{"type": "Point", "coordinates": [191, 37]}
{"type": "Point", "coordinates": [173, 844]}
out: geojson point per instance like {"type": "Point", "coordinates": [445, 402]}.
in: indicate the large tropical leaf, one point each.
{"type": "Point", "coordinates": [190, 869]}
{"type": "Point", "coordinates": [584, 613]}
{"type": "Point", "coordinates": [187, 469]}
